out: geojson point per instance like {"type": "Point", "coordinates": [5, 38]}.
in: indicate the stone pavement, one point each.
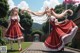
{"type": "Point", "coordinates": [37, 47]}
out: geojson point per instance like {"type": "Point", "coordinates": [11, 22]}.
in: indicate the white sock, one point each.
{"type": "Point", "coordinates": [19, 43]}
{"type": "Point", "coordinates": [11, 44]}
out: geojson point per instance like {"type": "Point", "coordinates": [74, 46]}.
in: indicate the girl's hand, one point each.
{"type": "Point", "coordinates": [22, 28]}
{"type": "Point", "coordinates": [28, 10]}
{"type": "Point", "coordinates": [69, 10]}
{"type": "Point", "coordinates": [51, 9]}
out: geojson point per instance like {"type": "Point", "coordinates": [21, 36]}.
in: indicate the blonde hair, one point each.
{"type": "Point", "coordinates": [12, 11]}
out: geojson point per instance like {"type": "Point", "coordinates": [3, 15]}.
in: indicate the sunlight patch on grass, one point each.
{"type": "Point", "coordinates": [15, 47]}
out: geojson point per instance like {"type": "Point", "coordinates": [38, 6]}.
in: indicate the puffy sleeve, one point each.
{"type": "Point", "coordinates": [52, 18]}
{"type": "Point", "coordinates": [18, 18]}
{"type": "Point", "coordinates": [9, 19]}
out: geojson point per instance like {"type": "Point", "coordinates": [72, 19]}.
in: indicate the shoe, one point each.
{"type": "Point", "coordinates": [20, 49]}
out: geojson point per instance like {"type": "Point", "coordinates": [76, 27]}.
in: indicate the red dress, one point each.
{"type": "Point", "coordinates": [14, 31]}
{"type": "Point", "coordinates": [60, 35]}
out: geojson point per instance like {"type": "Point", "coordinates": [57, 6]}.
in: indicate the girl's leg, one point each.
{"type": "Point", "coordinates": [11, 44]}
{"type": "Point", "coordinates": [19, 43]}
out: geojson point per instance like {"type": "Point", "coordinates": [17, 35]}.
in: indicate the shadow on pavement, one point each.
{"type": "Point", "coordinates": [9, 51]}
{"type": "Point", "coordinates": [53, 51]}
{"type": "Point", "coordinates": [59, 52]}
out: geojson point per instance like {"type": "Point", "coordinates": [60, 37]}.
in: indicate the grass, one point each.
{"type": "Point", "coordinates": [15, 47]}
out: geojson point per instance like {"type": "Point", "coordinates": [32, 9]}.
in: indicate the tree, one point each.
{"type": "Point", "coordinates": [76, 11]}
{"type": "Point", "coordinates": [3, 22]}
{"type": "Point", "coordinates": [45, 27]}
{"type": "Point", "coordinates": [60, 8]}
{"type": "Point", "coordinates": [3, 8]}
{"type": "Point", "coordinates": [2, 42]}
{"type": "Point", "coordinates": [26, 22]}
{"type": "Point", "coordinates": [37, 32]}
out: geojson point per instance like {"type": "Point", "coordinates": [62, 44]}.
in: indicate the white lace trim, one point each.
{"type": "Point", "coordinates": [15, 38]}
{"type": "Point", "coordinates": [65, 39]}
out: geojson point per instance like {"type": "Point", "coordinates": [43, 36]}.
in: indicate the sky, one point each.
{"type": "Point", "coordinates": [34, 5]}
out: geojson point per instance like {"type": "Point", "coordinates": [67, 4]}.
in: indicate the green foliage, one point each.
{"type": "Point", "coordinates": [78, 8]}
{"type": "Point", "coordinates": [45, 27]}
{"type": "Point", "coordinates": [3, 22]}
{"type": "Point", "coordinates": [76, 11]}
{"type": "Point", "coordinates": [26, 22]}
{"type": "Point", "coordinates": [0, 33]}
{"type": "Point", "coordinates": [3, 8]}
{"type": "Point", "coordinates": [1, 40]}
{"type": "Point", "coordinates": [60, 8]}
{"type": "Point", "coordinates": [37, 32]}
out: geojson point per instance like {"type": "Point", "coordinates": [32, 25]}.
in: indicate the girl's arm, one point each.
{"type": "Point", "coordinates": [20, 26]}
{"type": "Point", "coordinates": [19, 23]}
{"type": "Point", "coordinates": [62, 14]}
{"type": "Point", "coordinates": [36, 13]}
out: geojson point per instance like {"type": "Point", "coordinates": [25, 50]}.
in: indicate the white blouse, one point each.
{"type": "Point", "coordinates": [16, 17]}
{"type": "Point", "coordinates": [52, 18]}
{"type": "Point", "coordinates": [9, 20]}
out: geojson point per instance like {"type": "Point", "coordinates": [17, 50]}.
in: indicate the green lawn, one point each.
{"type": "Point", "coordinates": [15, 46]}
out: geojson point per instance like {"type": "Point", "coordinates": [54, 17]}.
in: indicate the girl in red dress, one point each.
{"type": "Point", "coordinates": [13, 31]}
{"type": "Point", "coordinates": [62, 32]}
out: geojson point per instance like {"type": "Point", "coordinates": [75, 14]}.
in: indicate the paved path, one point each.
{"type": "Point", "coordinates": [37, 47]}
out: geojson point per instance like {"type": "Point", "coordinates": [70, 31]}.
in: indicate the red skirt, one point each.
{"type": "Point", "coordinates": [14, 32]}
{"type": "Point", "coordinates": [60, 35]}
